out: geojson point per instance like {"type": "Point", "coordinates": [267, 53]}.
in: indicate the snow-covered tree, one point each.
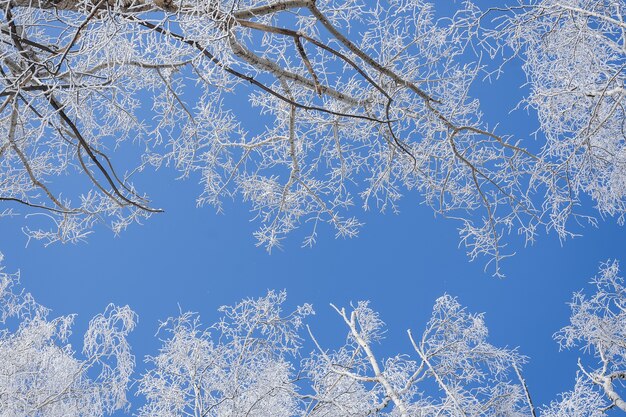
{"type": "Point", "coordinates": [598, 326]}
{"type": "Point", "coordinates": [239, 367]}
{"type": "Point", "coordinates": [252, 363]}
{"type": "Point", "coordinates": [40, 372]}
{"type": "Point", "coordinates": [574, 55]}
{"type": "Point", "coordinates": [354, 102]}
{"type": "Point", "coordinates": [261, 360]}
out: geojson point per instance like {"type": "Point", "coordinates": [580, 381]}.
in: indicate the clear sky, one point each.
{"type": "Point", "coordinates": [199, 260]}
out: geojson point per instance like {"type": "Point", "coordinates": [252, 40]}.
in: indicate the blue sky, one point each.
{"type": "Point", "coordinates": [199, 260]}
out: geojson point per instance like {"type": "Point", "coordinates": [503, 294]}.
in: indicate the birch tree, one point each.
{"type": "Point", "coordinates": [248, 364]}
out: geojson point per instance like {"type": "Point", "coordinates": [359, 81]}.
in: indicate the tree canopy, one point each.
{"type": "Point", "coordinates": [355, 103]}
{"type": "Point", "coordinates": [255, 361]}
